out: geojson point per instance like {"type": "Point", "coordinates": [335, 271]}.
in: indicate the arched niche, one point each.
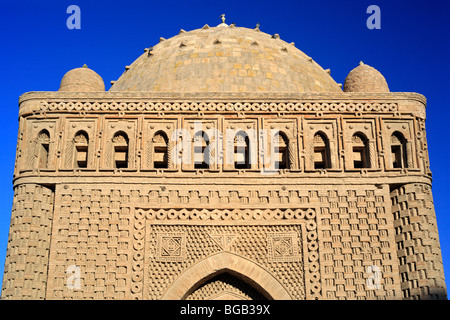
{"type": "Point", "coordinates": [243, 268]}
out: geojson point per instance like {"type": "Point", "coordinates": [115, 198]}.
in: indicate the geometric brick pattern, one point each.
{"type": "Point", "coordinates": [109, 220]}
{"type": "Point", "coordinates": [211, 106]}
{"type": "Point", "coordinates": [282, 247]}
{"type": "Point", "coordinates": [90, 231]}
{"type": "Point", "coordinates": [349, 231]}
{"type": "Point", "coordinates": [355, 235]}
{"type": "Point", "coordinates": [417, 239]}
{"type": "Point", "coordinates": [171, 246]}
{"type": "Point", "coordinates": [251, 244]}
{"type": "Point", "coordinates": [29, 243]}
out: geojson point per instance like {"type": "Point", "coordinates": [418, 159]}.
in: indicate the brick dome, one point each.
{"type": "Point", "coordinates": [82, 80]}
{"type": "Point", "coordinates": [365, 78]}
{"type": "Point", "coordinates": [225, 59]}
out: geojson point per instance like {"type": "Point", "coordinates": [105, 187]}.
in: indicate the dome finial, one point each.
{"type": "Point", "coordinates": [223, 24]}
{"type": "Point", "coordinates": [361, 63]}
{"type": "Point", "coordinates": [85, 65]}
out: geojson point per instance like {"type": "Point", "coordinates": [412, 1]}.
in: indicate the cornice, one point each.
{"type": "Point", "coordinates": [182, 181]}
{"type": "Point", "coordinates": [217, 96]}
{"type": "Point", "coordinates": [241, 103]}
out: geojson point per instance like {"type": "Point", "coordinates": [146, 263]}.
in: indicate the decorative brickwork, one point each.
{"type": "Point", "coordinates": [356, 233]}
{"type": "Point", "coordinates": [27, 257]}
{"type": "Point", "coordinates": [235, 106]}
{"type": "Point", "coordinates": [417, 240]}
{"type": "Point", "coordinates": [91, 231]}
{"type": "Point", "coordinates": [240, 170]}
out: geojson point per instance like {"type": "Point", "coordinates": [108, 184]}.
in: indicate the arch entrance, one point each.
{"type": "Point", "coordinates": [226, 286]}
{"type": "Point", "coordinates": [228, 276]}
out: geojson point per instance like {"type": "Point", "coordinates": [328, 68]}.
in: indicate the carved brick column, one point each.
{"type": "Point", "coordinates": [26, 263]}
{"type": "Point", "coordinates": [418, 248]}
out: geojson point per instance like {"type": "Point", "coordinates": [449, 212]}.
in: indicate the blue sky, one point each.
{"type": "Point", "coordinates": [411, 49]}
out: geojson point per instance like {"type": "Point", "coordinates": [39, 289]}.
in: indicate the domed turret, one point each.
{"type": "Point", "coordinates": [365, 78]}
{"type": "Point", "coordinates": [82, 80]}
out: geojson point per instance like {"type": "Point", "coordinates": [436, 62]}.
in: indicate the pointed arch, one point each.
{"type": "Point", "coordinates": [120, 143]}
{"type": "Point", "coordinates": [242, 150]}
{"type": "Point", "coordinates": [43, 147]}
{"type": "Point", "coordinates": [280, 147]}
{"type": "Point", "coordinates": [232, 263]}
{"type": "Point", "coordinates": [81, 146]}
{"type": "Point", "coordinates": [225, 286]}
{"type": "Point", "coordinates": [321, 149]}
{"type": "Point", "coordinates": [160, 150]}
{"type": "Point", "coordinates": [201, 150]}
{"type": "Point", "coordinates": [398, 150]}
{"type": "Point", "coordinates": [360, 151]}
